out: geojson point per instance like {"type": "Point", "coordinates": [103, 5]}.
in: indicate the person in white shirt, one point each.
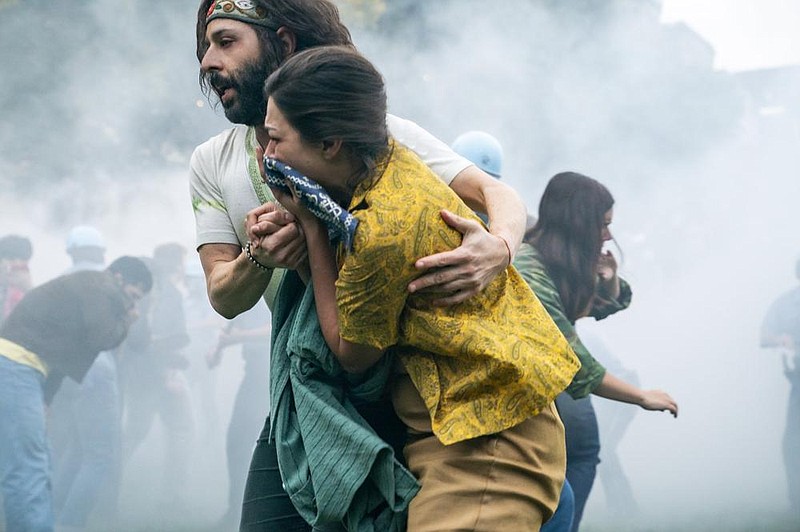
{"type": "Point", "coordinates": [239, 43]}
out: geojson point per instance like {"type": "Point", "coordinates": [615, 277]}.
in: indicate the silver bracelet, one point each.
{"type": "Point", "coordinates": [252, 259]}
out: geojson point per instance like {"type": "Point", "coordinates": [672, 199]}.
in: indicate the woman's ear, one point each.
{"type": "Point", "coordinates": [289, 40]}
{"type": "Point", "coordinates": [331, 148]}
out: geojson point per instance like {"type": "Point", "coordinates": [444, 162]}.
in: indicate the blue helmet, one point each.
{"type": "Point", "coordinates": [82, 236]}
{"type": "Point", "coordinates": [482, 149]}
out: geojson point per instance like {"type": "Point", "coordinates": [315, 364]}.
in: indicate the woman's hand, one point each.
{"type": "Point", "coordinates": [607, 266]}
{"type": "Point", "coordinates": [607, 272]}
{"type": "Point", "coordinates": [616, 389]}
{"type": "Point", "coordinates": [658, 400]}
{"type": "Point", "coordinates": [289, 200]}
{"type": "Point", "coordinates": [294, 206]}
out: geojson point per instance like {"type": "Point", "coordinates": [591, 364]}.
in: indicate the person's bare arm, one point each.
{"type": "Point", "coordinates": [618, 390]}
{"type": "Point", "coordinates": [465, 271]}
{"type": "Point", "coordinates": [354, 358]}
{"type": "Point", "coordinates": [234, 283]}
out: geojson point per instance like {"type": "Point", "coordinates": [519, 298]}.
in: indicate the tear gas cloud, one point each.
{"type": "Point", "coordinates": [103, 110]}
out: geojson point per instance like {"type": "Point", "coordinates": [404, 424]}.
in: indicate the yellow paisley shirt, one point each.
{"type": "Point", "coordinates": [482, 366]}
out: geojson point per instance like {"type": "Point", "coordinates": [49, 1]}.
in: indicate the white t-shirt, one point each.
{"type": "Point", "coordinates": [225, 183]}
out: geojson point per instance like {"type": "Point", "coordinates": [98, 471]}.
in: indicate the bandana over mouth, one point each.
{"type": "Point", "coordinates": [242, 10]}
{"type": "Point", "coordinates": [340, 223]}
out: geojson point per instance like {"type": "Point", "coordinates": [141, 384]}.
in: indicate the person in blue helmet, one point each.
{"type": "Point", "coordinates": [482, 149]}
{"type": "Point", "coordinates": [486, 152]}
{"type": "Point", "coordinates": [86, 248]}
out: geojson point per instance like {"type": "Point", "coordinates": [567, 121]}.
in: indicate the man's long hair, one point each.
{"type": "Point", "coordinates": [313, 23]}
{"type": "Point", "coordinates": [568, 236]}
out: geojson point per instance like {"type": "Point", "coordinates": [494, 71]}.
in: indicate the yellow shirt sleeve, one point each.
{"type": "Point", "coordinates": [371, 292]}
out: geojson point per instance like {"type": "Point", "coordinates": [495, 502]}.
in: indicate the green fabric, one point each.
{"type": "Point", "coordinates": [264, 195]}
{"type": "Point", "coordinates": [272, 288]}
{"type": "Point", "coordinates": [530, 266]}
{"type": "Point", "coordinates": [334, 467]}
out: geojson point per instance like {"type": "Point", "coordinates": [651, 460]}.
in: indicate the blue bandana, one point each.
{"type": "Point", "coordinates": [340, 223]}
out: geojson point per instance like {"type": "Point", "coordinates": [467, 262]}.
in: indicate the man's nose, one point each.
{"type": "Point", "coordinates": [210, 62]}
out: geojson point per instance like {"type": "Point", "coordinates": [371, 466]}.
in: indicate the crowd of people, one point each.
{"type": "Point", "coordinates": [414, 364]}
{"type": "Point", "coordinates": [138, 342]}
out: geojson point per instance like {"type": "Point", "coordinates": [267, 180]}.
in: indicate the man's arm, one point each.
{"type": "Point", "coordinates": [505, 208]}
{"type": "Point", "coordinates": [466, 270]}
{"type": "Point", "coordinates": [234, 283]}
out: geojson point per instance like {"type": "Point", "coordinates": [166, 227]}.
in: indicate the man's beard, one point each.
{"type": "Point", "coordinates": [248, 107]}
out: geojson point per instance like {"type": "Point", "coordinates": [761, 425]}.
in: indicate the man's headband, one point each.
{"type": "Point", "coordinates": [242, 10]}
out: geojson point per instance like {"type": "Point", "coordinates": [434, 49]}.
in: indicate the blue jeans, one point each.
{"type": "Point", "coordinates": [24, 454]}
{"type": "Point", "coordinates": [583, 448]}
{"type": "Point", "coordinates": [562, 519]}
{"type": "Point", "coordinates": [91, 462]}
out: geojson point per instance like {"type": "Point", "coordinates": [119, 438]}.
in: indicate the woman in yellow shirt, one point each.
{"type": "Point", "coordinates": [475, 382]}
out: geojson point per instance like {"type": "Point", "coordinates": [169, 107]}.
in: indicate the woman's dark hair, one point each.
{"type": "Point", "coordinates": [333, 92]}
{"type": "Point", "coordinates": [313, 23]}
{"type": "Point", "coordinates": [568, 236]}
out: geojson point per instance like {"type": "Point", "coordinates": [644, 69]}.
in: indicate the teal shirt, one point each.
{"type": "Point", "coordinates": [530, 266]}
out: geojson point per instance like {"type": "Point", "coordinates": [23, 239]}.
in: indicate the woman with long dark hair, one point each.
{"type": "Point", "coordinates": [474, 383]}
{"type": "Point", "coordinates": [562, 260]}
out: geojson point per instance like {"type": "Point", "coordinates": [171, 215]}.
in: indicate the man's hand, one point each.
{"type": "Point", "coordinates": [277, 240]}
{"type": "Point", "coordinates": [463, 272]}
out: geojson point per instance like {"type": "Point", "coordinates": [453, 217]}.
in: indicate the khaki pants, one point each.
{"type": "Point", "coordinates": [505, 481]}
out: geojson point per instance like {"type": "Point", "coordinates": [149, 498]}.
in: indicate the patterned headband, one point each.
{"type": "Point", "coordinates": [242, 10]}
